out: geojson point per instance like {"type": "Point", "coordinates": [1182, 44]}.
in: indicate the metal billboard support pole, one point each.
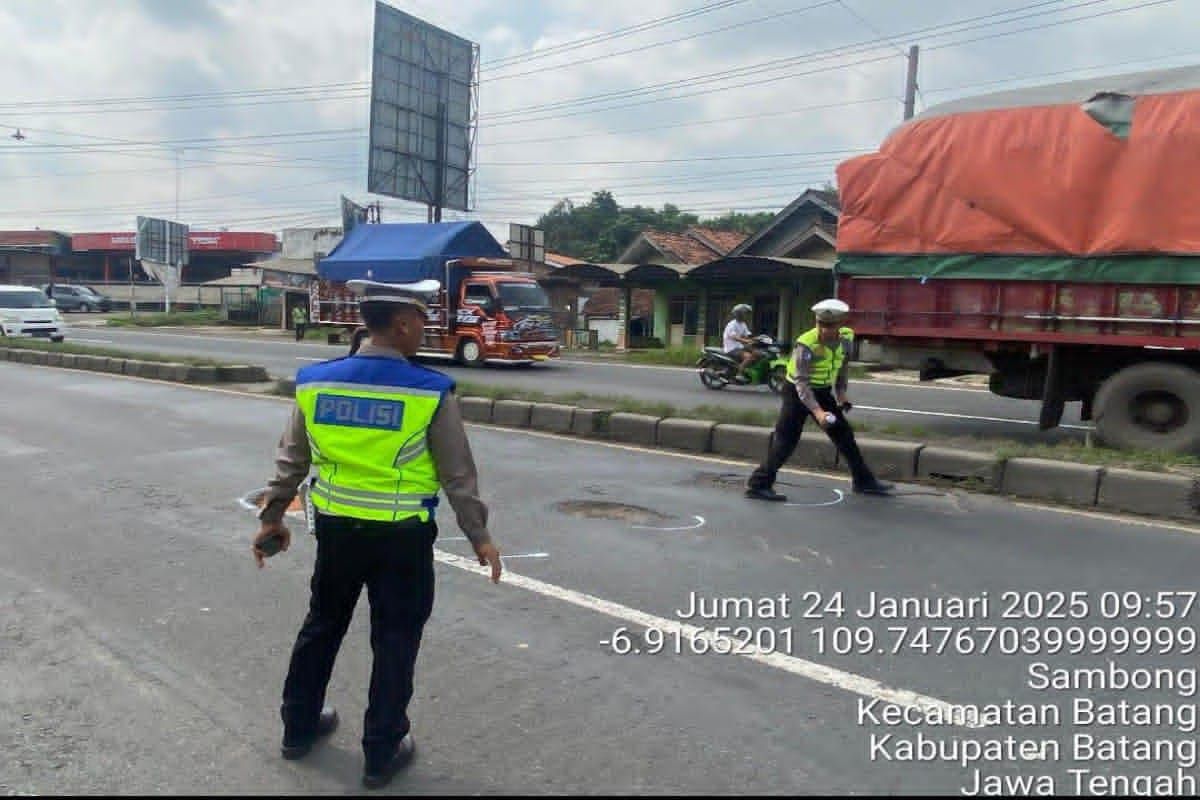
{"type": "Point", "coordinates": [440, 188]}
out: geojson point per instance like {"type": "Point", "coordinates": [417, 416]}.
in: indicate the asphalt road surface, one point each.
{"type": "Point", "coordinates": [945, 410]}
{"type": "Point", "coordinates": [142, 652]}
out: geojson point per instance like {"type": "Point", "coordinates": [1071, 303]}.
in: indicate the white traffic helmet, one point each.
{"type": "Point", "coordinates": [741, 308]}
{"type": "Point", "coordinates": [831, 310]}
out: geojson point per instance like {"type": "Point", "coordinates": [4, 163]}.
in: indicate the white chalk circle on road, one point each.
{"type": "Point", "coordinates": [839, 496]}
{"type": "Point", "coordinates": [699, 523]}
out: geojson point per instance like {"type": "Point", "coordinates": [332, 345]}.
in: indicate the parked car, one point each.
{"type": "Point", "coordinates": [72, 297]}
{"type": "Point", "coordinates": [26, 311]}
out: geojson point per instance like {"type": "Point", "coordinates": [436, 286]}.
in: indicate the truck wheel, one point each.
{"type": "Point", "coordinates": [470, 354]}
{"type": "Point", "coordinates": [1150, 407]}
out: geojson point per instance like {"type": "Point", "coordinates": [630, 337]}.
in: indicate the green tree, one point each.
{"type": "Point", "coordinates": [601, 229]}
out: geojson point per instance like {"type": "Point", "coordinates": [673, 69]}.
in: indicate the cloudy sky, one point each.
{"type": "Point", "coordinates": [254, 112]}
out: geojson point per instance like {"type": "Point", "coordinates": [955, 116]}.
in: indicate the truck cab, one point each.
{"type": "Point", "coordinates": [495, 316]}
{"type": "Point", "coordinates": [486, 311]}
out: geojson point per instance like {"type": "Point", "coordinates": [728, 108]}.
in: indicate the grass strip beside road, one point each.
{"type": "Point", "coordinates": [108, 352]}
{"type": "Point", "coordinates": [157, 319]}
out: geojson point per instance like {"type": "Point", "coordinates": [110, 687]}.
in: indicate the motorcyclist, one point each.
{"type": "Point", "coordinates": [738, 341]}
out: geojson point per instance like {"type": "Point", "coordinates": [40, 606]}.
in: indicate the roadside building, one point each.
{"type": "Point", "coordinates": [32, 257]}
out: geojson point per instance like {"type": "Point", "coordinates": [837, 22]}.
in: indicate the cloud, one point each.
{"type": "Point", "coordinates": [739, 85]}
{"type": "Point", "coordinates": [190, 14]}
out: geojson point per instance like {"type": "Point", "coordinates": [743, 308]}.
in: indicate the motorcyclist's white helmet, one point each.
{"type": "Point", "coordinates": [741, 308]}
{"type": "Point", "coordinates": [831, 310]}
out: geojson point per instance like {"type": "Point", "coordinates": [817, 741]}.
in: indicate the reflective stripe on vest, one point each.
{"type": "Point", "coordinates": [369, 441]}
{"type": "Point", "coordinates": [826, 361]}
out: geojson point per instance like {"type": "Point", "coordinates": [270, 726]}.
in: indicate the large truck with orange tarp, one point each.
{"type": "Point", "coordinates": [1049, 237]}
{"type": "Point", "coordinates": [487, 310]}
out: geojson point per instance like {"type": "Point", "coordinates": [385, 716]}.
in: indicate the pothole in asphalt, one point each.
{"type": "Point", "coordinates": [718, 480]}
{"type": "Point", "coordinates": [594, 509]}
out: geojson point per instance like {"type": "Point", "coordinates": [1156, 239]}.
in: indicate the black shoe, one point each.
{"type": "Point", "coordinates": [766, 493]}
{"type": "Point", "coordinates": [378, 777]}
{"type": "Point", "coordinates": [875, 487]}
{"type": "Point", "coordinates": [326, 724]}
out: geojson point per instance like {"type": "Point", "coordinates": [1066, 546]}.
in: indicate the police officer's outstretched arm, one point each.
{"type": "Point", "coordinates": [460, 481]}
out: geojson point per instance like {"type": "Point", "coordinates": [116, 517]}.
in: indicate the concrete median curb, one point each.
{"type": "Point", "coordinates": [513, 413]}
{"type": "Point", "coordinates": [694, 435]}
{"type": "Point", "coordinates": [474, 409]}
{"type": "Point", "coordinates": [552, 417]}
{"type": "Point", "coordinates": [155, 370]}
{"type": "Point", "coordinates": [1069, 483]}
{"type": "Point", "coordinates": [633, 428]}
{"type": "Point", "coordinates": [1044, 479]}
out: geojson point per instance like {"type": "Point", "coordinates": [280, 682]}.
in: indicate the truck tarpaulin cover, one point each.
{"type": "Point", "coordinates": [1088, 181]}
{"type": "Point", "coordinates": [399, 253]}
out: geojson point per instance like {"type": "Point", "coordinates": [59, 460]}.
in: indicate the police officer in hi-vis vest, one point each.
{"type": "Point", "coordinates": [385, 435]}
{"type": "Point", "coordinates": [818, 370]}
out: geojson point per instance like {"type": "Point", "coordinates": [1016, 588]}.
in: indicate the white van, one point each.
{"type": "Point", "coordinates": [26, 311]}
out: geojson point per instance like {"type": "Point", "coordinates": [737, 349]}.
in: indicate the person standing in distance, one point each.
{"type": "Point", "coordinates": [818, 371]}
{"type": "Point", "coordinates": [385, 435]}
{"type": "Point", "coordinates": [299, 320]}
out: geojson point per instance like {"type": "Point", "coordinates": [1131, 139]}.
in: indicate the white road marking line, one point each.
{"type": "Point", "coordinates": [971, 417]}
{"type": "Point", "coordinates": [92, 341]}
{"type": "Point", "coordinates": [821, 673]}
{"type": "Point", "coordinates": [302, 358]}
{"type": "Point", "coordinates": [699, 524]}
{"type": "Point", "coordinates": [1107, 517]}
{"type": "Point", "coordinates": [503, 556]}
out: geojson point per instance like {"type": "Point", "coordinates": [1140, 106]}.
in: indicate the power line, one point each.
{"type": "Point", "coordinates": [1105, 66]}
{"type": "Point", "coordinates": [114, 141]}
{"type": "Point", "coordinates": [33, 104]}
{"type": "Point", "coordinates": [695, 123]}
{"type": "Point", "coordinates": [653, 45]}
{"type": "Point", "coordinates": [575, 113]}
{"type": "Point", "coordinates": [727, 157]}
{"type": "Point", "coordinates": [871, 27]}
{"type": "Point", "coordinates": [534, 55]}
{"type": "Point", "coordinates": [767, 66]}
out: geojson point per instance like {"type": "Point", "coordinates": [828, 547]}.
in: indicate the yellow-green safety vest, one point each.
{"type": "Point", "coordinates": [367, 419]}
{"type": "Point", "coordinates": [826, 361]}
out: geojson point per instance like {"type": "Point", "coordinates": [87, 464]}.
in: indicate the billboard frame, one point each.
{"type": "Point", "coordinates": [153, 244]}
{"type": "Point", "coordinates": [411, 159]}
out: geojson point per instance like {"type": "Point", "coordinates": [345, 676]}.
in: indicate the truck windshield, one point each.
{"type": "Point", "coordinates": [523, 297]}
{"type": "Point", "coordinates": [24, 298]}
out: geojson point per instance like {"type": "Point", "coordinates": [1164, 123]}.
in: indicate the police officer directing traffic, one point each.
{"type": "Point", "coordinates": [818, 371]}
{"type": "Point", "coordinates": [385, 436]}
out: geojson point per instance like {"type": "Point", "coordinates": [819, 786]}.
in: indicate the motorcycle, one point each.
{"type": "Point", "coordinates": [717, 369]}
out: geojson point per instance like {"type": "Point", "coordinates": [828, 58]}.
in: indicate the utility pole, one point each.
{"type": "Point", "coordinates": [910, 85]}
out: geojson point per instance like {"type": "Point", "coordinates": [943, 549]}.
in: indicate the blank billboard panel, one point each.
{"type": "Point", "coordinates": [161, 240]}
{"type": "Point", "coordinates": [422, 79]}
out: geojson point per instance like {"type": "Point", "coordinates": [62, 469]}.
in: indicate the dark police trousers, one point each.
{"type": "Point", "coordinates": [786, 435]}
{"type": "Point", "coordinates": [394, 560]}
